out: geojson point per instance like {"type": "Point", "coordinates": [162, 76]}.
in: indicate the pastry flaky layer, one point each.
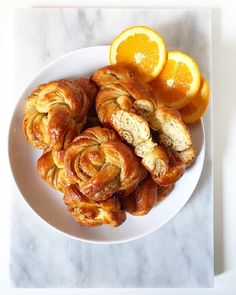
{"type": "Point", "coordinates": [51, 168]}
{"type": "Point", "coordinates": [56, 111]}
{"type": "Point", "coordinates": [90, 213]}
{"type": "Point", "coordinates": [145, 197]}
{"type": "Point", "coordinates": [128, 104]}
{"type": "Point", "coordinates": [102, 165]}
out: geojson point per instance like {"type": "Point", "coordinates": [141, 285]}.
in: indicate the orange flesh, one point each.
{"type": "Point", "coordinates": [197, 107]}
{"type": "Point", "coordinates": [173, 82]}
{"type": "Point", "coordinates": [139, 47]}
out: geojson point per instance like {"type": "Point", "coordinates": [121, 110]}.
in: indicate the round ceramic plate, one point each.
{"type": "Point", "coordinates": [48, 203]}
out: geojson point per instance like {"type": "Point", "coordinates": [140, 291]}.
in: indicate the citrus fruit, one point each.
{"type": "Point", "coordinates": [178, 81]}
{"type": "Point", "coordinates": [193, 111]}
{"type": "Point", "coordinates": [142, 48]}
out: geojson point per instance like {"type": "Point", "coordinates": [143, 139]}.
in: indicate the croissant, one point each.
{"type": "Point", "coordinates": [145, 197]}
{"type": "Point", "coordinates": [56, 112]}
{"type": "Point", "coordinates": [101, 164]}
{"type": "Point", "coordinates": [127, 103]}
{"type": "Point", "coordinates": [89, 213]}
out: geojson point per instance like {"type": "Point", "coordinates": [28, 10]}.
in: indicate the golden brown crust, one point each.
{"type": "Point", "coordinates": [101, 164]}
{"type": "Point", "coordinates": [55, 113]}
{"type": "Point", "coordinates": [145, 197]}
{"type": "Point", "coordinates": [163, 192]}
{"type": "Point", "coordinates": [119, 89]}
{"type": "Point", "coordinates": [89, 213]}
{"type": "Point", "coordinates": [127, 104]}
{"type": "Point", "coordinates": [111, 74]}
{"type": "Point", "coordinates": [51, 168]}
{"type": "Point", "coordinates": [89, 88]}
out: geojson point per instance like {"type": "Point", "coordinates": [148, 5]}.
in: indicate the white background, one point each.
{"type": "Point", "coordinates": [224, 111]}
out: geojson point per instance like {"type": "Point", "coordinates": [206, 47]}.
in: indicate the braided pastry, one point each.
{"type": "Point", "coordinates": [89, 88]}
{"type": "Point", "coordinates": [51, 168]}
{"type": "Point", "coordinates": [163, 192]}
{"type": "Point", "coordinates": [56, 112]}
{"type": "Point", "coordinates": [145, 197]}
{"type": "Point", "coordinates": [89, 213]}
{"type": "Point", "coordinates": [127, 103]}
{"type": "Point", "coordinates": [101, 164]}
{"type": "Point", "coordinates": [141, 201]}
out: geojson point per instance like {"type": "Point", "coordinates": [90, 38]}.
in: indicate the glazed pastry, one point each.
{"type": "Point", "coordinates": [120, 88]}
{"type": "Point", "coordinates": [163, 192]}
{"type": "Point", "coordinates": [51, 168]}
{"type": "Point", "coordinates": [56, 112]}
{"type": "Point", "coordinates": [145, 197]}
{"type": "Point", "coordinates": [141, 201]}
{"type": "Point", "coordinates": [89, 213]}
{"type": "Point", "coordinates": [128, 104]}
{"type": "Point", "coordinates": [89, 88]}
{"type": "Point", "coordinates": [101, 164]}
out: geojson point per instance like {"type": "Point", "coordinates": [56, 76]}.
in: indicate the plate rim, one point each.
{"type": "Point", "coordinates": [91, 241]}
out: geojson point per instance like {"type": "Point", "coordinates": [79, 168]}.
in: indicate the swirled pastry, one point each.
{"type": "Point", "coordinates": [145, 197]}
{"type": "Point", "coordinates": [51, 168]}
{"type": "Point", "coordinates": [141, 201]}
{"type": "Point", "coordinates": [128, 104]}
{"type": "Point", "coordinates": [56, 111]}
{"type": "Point", "coordinates": [89, 213]}
{"type": "Point", "coordinates": [101, 164]}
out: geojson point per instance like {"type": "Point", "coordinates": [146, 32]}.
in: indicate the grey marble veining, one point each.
{"type": "Point", "coordinates": [180, 254]}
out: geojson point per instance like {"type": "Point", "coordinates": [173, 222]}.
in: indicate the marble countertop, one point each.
{"type": "Point", "coordinates": [224, 64]}
{"type": "Point", "coordinates": [180, 254]}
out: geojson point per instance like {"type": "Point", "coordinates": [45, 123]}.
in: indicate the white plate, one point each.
{"type": "Point", "coordinates": [48, 203]}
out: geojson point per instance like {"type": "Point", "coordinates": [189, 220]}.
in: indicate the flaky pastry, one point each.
{"type": "Point", "coordinates": [51, 168]}
{"type": "Point", "coordinates": [145, 197]}
{"type": "Point", "coordinates": [101, 164]}
{"type": "Point", "coordinates": [128, 104]}
{"type": "Point", "coordinates": [89, 213]}
{"type": "Point", "coordinates": [56, 112]}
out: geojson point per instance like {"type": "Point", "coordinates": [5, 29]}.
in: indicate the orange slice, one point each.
{"type": "Point", "coordinates": [179, 80]}
{"type": "Point", "coordinates": [193, 111]}
{"type": "Point", "coordinates": [142, 48]}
